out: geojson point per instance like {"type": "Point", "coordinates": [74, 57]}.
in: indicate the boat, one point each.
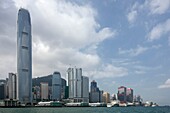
{"type": "Point", "coordinates": [109, 105]}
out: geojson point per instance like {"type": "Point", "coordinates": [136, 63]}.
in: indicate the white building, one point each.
{"type": "Point", "coordinates": [78, 85]}
{"type": "Point", "coordinates": [12, 86]}
{"type": "Point", "coordinates": [44, 90]}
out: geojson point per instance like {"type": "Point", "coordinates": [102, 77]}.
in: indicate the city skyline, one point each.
{"type": "Point", "coordinates": [115, 42]}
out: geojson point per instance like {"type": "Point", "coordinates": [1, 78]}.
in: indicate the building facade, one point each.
{"type": "Point", "coordinates": [122, 94]}
{"type": "Point", "coordinates": [24, 56]}
{"type": "Point", "coordinates": [63, 88]}
{"type": "Point", "coordinates": [95, 94]}
{"type": "Point", "coordinates": [44, 91]}
{"type": "Point", "coordinates": [106, 97]}
{"type": "Point", "coordinates": [2, 90]}
{"type": "Point", "coordinates": [85, 89]}
{"type": "Point", "coordinates": [56, 86]}
{"type": "Point", "coordinates": [129, 95]}
{"type": "Point", "coordinates": [12, 86]}
{"type": "Point", "coordinates": [78, 85]}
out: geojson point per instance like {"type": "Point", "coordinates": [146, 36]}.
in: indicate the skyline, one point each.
{"type": "Point", "coordinates": [119, 42]}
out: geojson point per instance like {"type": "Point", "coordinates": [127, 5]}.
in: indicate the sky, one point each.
{"type": "Point", "coordinates": [115, 42]}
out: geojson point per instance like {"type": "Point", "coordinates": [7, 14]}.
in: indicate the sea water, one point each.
{"type": "Point", "coordinates": [87, 110]}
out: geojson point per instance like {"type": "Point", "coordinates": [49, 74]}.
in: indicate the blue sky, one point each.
{"type": "Point", "coordinates": [116, 42]}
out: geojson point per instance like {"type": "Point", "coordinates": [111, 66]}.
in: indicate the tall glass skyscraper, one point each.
{"type": "Point", "coordinates": [56, 86]}
{"type": "Point", "coordinates": [24, 56]}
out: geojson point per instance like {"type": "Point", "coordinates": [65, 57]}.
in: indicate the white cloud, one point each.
{"type": "Point", "coordinates": [132, 16]}
{"type": "Point", "coordinates": [165, 85]}
{"type": "Point", "coordinates": [134, 52]}
{"type": "Point", "coordinates": [158, 6]}
{"type": "Point", "coordinates": [140, 72]}
{"type": "Point", "coordinates": [159, 30]}
{"type": "Point", "coordinates": [61, 30]}
{"type": "Point", "coordinates": [139, 50]}
{"type": "Point", "coordinates": [109, 71]}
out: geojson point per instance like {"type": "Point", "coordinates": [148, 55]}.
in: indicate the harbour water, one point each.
{"type": "Point", "coordinates": [88, 110]}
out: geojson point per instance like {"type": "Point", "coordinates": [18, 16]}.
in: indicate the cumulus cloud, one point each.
{"type": "Point", "coordinates": [159, 30]}
{"type": "Point", "coordinates": [165, 85]}
{"type": "Point", "coordinates": [61, 30]}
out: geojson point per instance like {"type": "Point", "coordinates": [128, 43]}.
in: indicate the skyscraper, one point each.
{"type": "Point", "coordinates": [95, 94]}
{"type": "Point", "coordinates": [44, 91]}
{"type": "Point", "coordinates": [85, 89]}
{"type": "Point", "coordinates": [24, 56]}
{"type": "Point", "coordinates": [12, 86]}
{"type": "Point", "coordinates": [56, 86]}
{"type": "Point", "coordinates": [129, 94]}
{"type": "Point", "coordinates": [122, 94]}
{"type": "Point", "coordinates": [74, 82]}
{"type": "Point", "coordinates": [78, 85]}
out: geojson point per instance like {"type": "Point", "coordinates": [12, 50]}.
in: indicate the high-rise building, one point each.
{"type": "Point", "coordinates": [129, 95]}
{"type": "Point", "coordinates": [85, 89]}
{"type": "Point", "coordinates": [2, 90]}
{"type": "Point", "coordinates": [122, 94]}
{"type": "Point", "coordinates": [63, 88]}
{"type": "Point", "coordinates": [44, 91]}
{"type": "Point", "coordinates": [24, 56]}
{"type": "Point", "coordinates": [56, 86]}
{"type": "Point", "coordinates": [106, 97]}
{"type": "Point", "coordinates": [74, 82]}
{"type": "Point", "coordinates": [77, 87]}
{"type": "Point", "coordinates": [95, 94]}
{"type": "Point", "coordinates": [12, 86]}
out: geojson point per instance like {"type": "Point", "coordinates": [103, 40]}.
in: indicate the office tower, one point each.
{"type": "Point", "coordinates": [44, 91]}
{"type": "Point", "coordinates": [95, 94]}
{"type": "Point", "coordinates": [76, 85]}
{"type": "Point", "coordinates": [12, 86]}
{"type": "Point", "coordinates": [24, 56]}
{"type": "Point", "coordinates": [2, 90]}
{"type": "Point", "coordinates": [94, 86]}
{"type": "Point", "coordinates": [63, 88]}
{"type": "Point", "coordinates": [106, 97]}
{"type": "Point", "coordinates": [129, 95]}
{"type": "Point", "coordinates": [85, 89]}
{"type": "Point", "coordinates": [74, 82]}
{"type": "Point", "coordinates": [56, 86]}
{"type": "Point", "coordinates": [70, 72]}
{"type": "Point", "coordinates": [122, 94]}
